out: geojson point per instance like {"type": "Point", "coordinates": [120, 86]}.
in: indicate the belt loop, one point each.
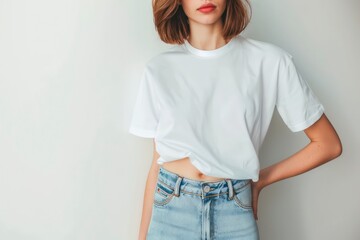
{"type": "Point", "coordinates": [231, 189]}
{"type": "Point", "coordinates": [177, 186]}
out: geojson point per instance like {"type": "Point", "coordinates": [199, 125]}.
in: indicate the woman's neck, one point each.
{"type": "Point", "coordinates": [206, 37]}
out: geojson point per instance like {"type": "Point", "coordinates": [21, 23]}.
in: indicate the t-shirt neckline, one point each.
{"type": "Point", "coordinates": [209, 53]}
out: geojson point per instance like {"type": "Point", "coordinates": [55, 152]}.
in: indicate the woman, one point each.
{"type": "Point", "coordinates": [207, 102]}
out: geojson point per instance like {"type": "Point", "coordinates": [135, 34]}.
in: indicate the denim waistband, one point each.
{"type": "Point", "coordinates": [201, 188]}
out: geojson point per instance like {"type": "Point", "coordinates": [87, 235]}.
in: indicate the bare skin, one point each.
{"type": "Point", "coordinates": [324, 145]}
{"type": "Point", "coordinates": [183, 167]}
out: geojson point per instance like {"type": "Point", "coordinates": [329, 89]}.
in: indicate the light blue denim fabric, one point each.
{"type": "Point", "coordinates": [198, 210]}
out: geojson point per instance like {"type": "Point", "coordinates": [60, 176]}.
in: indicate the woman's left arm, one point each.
{"type": "Point", "coordinates": [324, 146]}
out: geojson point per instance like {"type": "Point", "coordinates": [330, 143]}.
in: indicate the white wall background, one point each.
{"type": "Point", "coordinates": [69, 72]}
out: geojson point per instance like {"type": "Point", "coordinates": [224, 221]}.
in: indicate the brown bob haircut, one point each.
{"type": "Point", "coordinates": [172, 24]}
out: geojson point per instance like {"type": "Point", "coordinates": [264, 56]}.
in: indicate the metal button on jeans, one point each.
{"type": "Point", "coordinates": [206, 188]}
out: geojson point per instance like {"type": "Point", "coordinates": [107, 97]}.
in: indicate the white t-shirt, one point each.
{"type": "Point", "coordinates": [215, 106]}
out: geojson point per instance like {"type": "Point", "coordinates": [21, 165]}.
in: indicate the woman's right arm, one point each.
{"type": "Point", "coordinates": [149, 195]}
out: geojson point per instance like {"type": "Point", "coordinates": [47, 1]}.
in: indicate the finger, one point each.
{"type": "Point", "coordinates": [254, 203]}
{"type": "Point", "coordinates": [255, 209]}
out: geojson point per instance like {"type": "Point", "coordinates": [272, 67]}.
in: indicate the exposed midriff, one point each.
{"type": "Point", "coordinates": [184, 168]}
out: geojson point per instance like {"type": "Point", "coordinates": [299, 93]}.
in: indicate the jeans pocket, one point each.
{"type": "Point", "coordinates": [243, 197]}
{"type": "Point", "coordinates": [163, 194]}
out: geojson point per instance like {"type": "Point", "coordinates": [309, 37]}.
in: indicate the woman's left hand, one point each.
{"type": "Point", "coordinates": [256, 188]}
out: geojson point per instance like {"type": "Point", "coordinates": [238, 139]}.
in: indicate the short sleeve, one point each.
{"type": "Point", "coordinates": [296, 103]}
{"type": "Point", "coordinates": [145, 114]}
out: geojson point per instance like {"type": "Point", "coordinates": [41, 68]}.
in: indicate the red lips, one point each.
{"type": "Point", "coordinates": [207, 5]}
{"type": "Point", "coordinates": [206, 8]}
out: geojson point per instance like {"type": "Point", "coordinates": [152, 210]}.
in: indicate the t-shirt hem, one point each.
{"type": "Point", "coordinates": [256, 179]}
{"type": "Point", "coordinates": [310, 121]}
{"type": "Point", "coordinates": [142, 132]}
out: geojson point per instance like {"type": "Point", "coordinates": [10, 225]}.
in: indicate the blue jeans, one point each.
{"type": "Point", "coordinates": [184, 208]}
